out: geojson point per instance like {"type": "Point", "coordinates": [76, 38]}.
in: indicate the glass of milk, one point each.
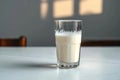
{"type": "Point", "coordinates": [68, 40]}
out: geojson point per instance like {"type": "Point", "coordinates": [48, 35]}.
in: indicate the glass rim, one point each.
{"type": "Point", "coordinates": [72, 20]}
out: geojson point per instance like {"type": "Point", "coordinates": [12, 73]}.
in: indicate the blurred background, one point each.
{"type": "Point", "coordinates": [35, 19]}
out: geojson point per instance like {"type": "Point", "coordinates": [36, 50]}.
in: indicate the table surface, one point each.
{"type": "Point", "coordinates": [39, 63]}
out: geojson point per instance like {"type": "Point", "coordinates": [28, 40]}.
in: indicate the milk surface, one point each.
{"type": "Point", "coordinates": [68, 46]}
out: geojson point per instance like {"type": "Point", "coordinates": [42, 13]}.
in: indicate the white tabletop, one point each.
{"type": "Point", "coordinates": [39, 63]}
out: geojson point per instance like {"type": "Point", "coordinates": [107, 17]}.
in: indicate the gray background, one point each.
{"type": "Point", "coordinates": [22, 17]}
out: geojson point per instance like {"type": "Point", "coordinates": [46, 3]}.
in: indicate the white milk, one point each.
{"type": "Point", "coordinates": [68, 46]}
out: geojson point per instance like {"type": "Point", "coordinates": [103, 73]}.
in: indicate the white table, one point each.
{"type": "Point", "coordinates": [39, 63]}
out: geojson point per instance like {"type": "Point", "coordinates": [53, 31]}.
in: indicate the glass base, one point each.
{"type": "Point", "coordinates": [65, 65]}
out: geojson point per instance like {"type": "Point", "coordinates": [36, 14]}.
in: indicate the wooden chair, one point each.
{"type": "Point", "coordinates": [21, 42]}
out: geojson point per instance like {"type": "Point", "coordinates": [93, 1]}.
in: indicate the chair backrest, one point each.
{"type": "Point", "coordinates": [21, 41]}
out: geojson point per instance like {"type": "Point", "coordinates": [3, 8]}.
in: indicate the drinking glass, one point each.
{"type": "Point", "coordinates": [68, 35]}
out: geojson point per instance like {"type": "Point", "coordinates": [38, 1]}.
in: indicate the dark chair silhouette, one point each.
{"type": "Point", "coordinates": [20, 42]}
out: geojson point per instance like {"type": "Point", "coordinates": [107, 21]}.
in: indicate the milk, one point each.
{"type": "Point", "coordinates": [68, 46]}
